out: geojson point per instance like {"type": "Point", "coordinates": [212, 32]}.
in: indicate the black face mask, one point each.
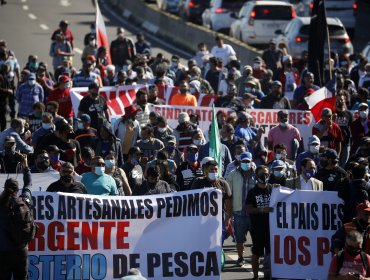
{"type": "Point", "coordinates": [9, 150]}
{"type": "Point", "coordinates": [324, 163]}
{"type": "Point", "coordinates": [353, 252]}
{"type": "Point", "coordinates": [66, 179]}
{"type": "Point", "coordinates": [42, 165]}
{"type": "Point", "coordinates": [71, 135]}
{"type": "Point", "coordinates": [364, 224]}
{"type": "Point", "coordinates": [183, 90]}
{"type": "Point", "coordinates": [262, 179]}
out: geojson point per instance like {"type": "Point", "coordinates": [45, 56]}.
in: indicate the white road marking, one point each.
{"type": "Point", "coordinates": [44, 26]}
{"type": "Point", "coordinates": [32, 16]}
{"type": "Point", "coordinates": [150, 27]}
{"type": "Point", "coordinates": [65, 3]}
{"type": "Point", "coordinates": [126, 13]}
{"type": "Point", "coordinates": [25, 7]}
{"type": "Point", "coordinates": [23, 1]}
{"type": "Point", "coordinates": [77, 50]}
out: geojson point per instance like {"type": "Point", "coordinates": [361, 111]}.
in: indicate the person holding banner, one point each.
{"type": "Point", "coordinates": [258, 200]}
{"type": "Point", "coordinates": [352, 262]}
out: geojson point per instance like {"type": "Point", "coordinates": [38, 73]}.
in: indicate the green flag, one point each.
{"type": "Point", "coordinates": [215, 142]}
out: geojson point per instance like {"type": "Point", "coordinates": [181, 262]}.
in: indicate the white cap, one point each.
{"type": "Point", "coordinates": [205, 160]}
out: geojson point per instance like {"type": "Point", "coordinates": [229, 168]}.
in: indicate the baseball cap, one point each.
{"type": "Point", "coordinates": [326, 112]}
{"type": "Point", "coordinates": [93, 85]}
{"type": "Point", "coordinates": [278, 163]}
{"type": "Point", "coordinates": [248, 95]}
{"type": "Point", "coordinates": [12, 184]}
{"type": "Point", "coordinates": [63, 22]}
{"type": "Point", "coordinates": [64, 79]}
{"type": "Point", "coordinates": [286, 58]}
{"type": "Point", "coordinates": [205, 160]}
{"type": "Point", "coordinates": [192, 146]}
{"type": "Point", "coordinates": [84, 118]}
{"type": "Point", "coordinates": [248, 67]}
{"type": "Point", "coordinates": [91, 58]}
{"type": "Point", "coordinates": [313, 140]}
{"type": "Point", "coordinates": [277, 83]}
{"type": "Point", "coordinates": [364, 206]}
{"type": "Point", "coordinates": [170, 139]}
{"type": "Point", "coordinates": [363, 105]}
{"type": "Point", "coordinates": [183, 117]}
{"type": "Point", "coordinates": [31, 76]}
{"type": "Point", "coordinates": [246, 156]}
{"type": "Point", "coordinates": [283, 113]}
{"type": "Point", "coordinates": [9, 139]}
{"type": "Point", "coordinates": [330, 153]}
{"type": "Point", "coordinates": [52, 148]}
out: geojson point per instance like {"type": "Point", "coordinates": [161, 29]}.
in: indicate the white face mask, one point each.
{"type": "Point", "coordinates": [46, 125]}
{"type": "Point", "coordinates": [99, 170]}
{"type": "Point", "coordinates": [314, 149]}
{"type": "Point", "coordinates": [283, 124]}
{"type": "Point", "coordinates": [212, 176]}
{"type": "Point", "coordinates": [31, 82]}
{"type": "Point", "coordinates": [109, 163]}
{"type": "Point", "coordinates": [145, 140]}
{"type": "Point", "coordinates": [279, 156]}
{"type": "Point", "coordinates": [363, 114]}
{"type": "Point", "coordinates": [279, 173]}
{"type": "Point", "coordinates": [197, 141]}
{"type": "Point", "coordinates": [162, 129]}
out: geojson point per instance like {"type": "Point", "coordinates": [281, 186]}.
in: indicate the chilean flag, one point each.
{"type": "Point", "coordinates": [101, 32]}
{"type": "Point", "coordinates": [322, 98]}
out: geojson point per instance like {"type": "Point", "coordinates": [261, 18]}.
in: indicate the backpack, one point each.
{"type": "Point", "coordinates": [340, 260]}
{"type": "Point", "coordinates": [22, 227]}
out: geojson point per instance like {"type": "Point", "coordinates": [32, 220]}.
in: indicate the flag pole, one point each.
{"type": "Point", "coordinates": [329, 49]}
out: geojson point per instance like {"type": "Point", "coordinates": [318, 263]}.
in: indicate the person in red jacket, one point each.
{"type": "Point", "coordinates": [61, 94]}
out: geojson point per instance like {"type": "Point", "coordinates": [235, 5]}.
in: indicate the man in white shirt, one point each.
{"type": "Point", "coordinates": [223, 51]}
{"type": "Point", "coordinates": [306, 180]}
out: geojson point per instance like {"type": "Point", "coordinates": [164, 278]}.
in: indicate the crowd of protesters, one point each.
{"type": "Point", "coordinates": [142, 155]}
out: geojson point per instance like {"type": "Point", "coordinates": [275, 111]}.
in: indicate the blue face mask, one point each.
{"type": "Point", "coordinates": [310, 173]}
{"type": "Point", "coordinates": [279, 173]}
{"type": "Point", "coordinates": [193, 157]}
{"type": "Point", "coordinates": [245, 166]}
{"type": "Point", "coordinates": [54, 158]}
{"type": "Point", "coordinates": [169, 149]}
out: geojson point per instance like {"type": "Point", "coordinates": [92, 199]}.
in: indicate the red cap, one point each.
{"type": "Point", "coordinates": [364, 206]}
{"type": "Point", "coordinates": [130, 111]}
{"type": "Point", "coordinates": [91, 58]}
{"type": "Point", "coordinates": [64, 79]}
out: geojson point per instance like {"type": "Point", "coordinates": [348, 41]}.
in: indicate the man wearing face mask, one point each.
{"type": "Point", "coordinates": [35, 118]}
{"type": "Point", "coordinates": [328, 131]}
{"type": "Point", "coordinates": [28, 94]}
{"type": "Point", "coordinates": [96, 181]}
{"type": "Point", "coordinates": [153, 185]}
{"type": "Point", "coordinates": [306, 180]}
{"type": "Point", "coordinates": [278, 173]}
{"type": "Point", "coordinates": [313, 148]}
{"type": "Point", "coordinates": [239, 149]}
{"type": "Point", "coordinates": [133, 169]}
{"type": "Point", "coordinates": [360, 127]}
{"type": "Point", "coordinates": [276, 99]}
{"type": "Point", "coordinates": [332, 175]}
{"type": "Point", "coordinates": [148, 144]}
{"type": "Point", "coordinates": [61, 94]}
{"type": "Point", "coordinates": [142, 103]}
{"type": "Point", "coordinates": [195, 79]}
{"type": "Point", "coordinates": [190, 169]}
{"type": "Point", "coordinates": [352, 262]}
{"type": "Point", "coordinates": [185, 131]}
{"type": "Point", "coordinates": [95, 106]}
{"type": "Point", "coordinates": [85, 134]}
{"type": "Point", "coordinates": [10, 160]}
{"type": "Point", "coordinates": [285, 133]}
{"type": "Point", "coordinates": [42, 163]}
{"type": "Point", "coordinates": [54, 156]}
{"type": "Point", "coordinates": [273, 57]}
{"type": "Point", "coordinates": [230, 140]}
{"type": "Point", "coordinates": [230, 100]}
{"type": "Point", "coordinates": [247, 81]}
{"type": "Point", "coordinates": [183, 98]}
{"type": "Point", "coordinates": [66, 183]}
{"type": "Point", "coordinates": [173, 153]}
{"type": "Point", "coordinates": [162, 130]}
{"type": "Point", "coordinates": [15, 130]}
{"type": "Point", "coordinates": [121, 49]}
{"type": "Point", "coordinates": [359, 223]}
{"type": "Point", "coordinates": [241, 180]}
{"type": "Point", "coordinates": [258, 200]}
{"type": "Point", "coordinates": [47, 126]}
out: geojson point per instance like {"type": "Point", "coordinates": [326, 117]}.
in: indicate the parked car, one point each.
{"type": "Point", "coordinates": [295, 36]}
{"type": "Point", "coordinates": [257, 21]}
{"type": "Point", "coordinates": [218, 16]}
{"type": "Point", "coordinates": [366, 51]}
{"type": "Point", "coordinates": [192, 10]}
{"type": "Point", "coordinates": [171, 6]}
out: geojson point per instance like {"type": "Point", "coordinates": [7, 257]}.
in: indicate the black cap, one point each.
{"type": "Point", "coordinates": [11, 184]}
{"type": "Point", "coordinates": [93, 85]}
{"type": "Point", "coordinates": [52, 148]}
{"type": "Point", "coordinates": [152, 171]}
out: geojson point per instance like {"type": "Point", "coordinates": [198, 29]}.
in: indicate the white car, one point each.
{"type": "Point", "coordinates": [171, 6]}
{"type": "Point", "coordinates": [218, 16]}
{"type": "Point", "coordinates": [257, 21]}
{"type": "Point", "coordinates": [366, 51]}
{"type": "Point", "coordinates": [295, 36]}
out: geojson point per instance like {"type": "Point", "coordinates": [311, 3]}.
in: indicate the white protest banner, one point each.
{"type": "Point", "coordinates": [267, 118]}
{"type": "Point", "coordinates": [40, 181]}
{"type": "Point", "coordinates": [169, 236]}
{"type": "Point", "coordinates": [301, 227]}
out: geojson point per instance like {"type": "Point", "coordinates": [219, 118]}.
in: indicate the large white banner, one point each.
{"type": "Point", "coordinates": [301, 227]}
{"type": "Point", "coordinates": [171, 236]}
{"type": "Point", "coordinates": [40, 181]}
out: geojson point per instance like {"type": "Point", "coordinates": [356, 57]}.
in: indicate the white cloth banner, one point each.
{"type": "Point", "coordinates": [169, 236]}
{"type": "Point", "coordinates": [301, 227]}
{"type": "Point", "coordinates": [40, 181]}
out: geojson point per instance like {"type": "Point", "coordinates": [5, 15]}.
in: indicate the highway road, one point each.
{"type": "Point", "coordinates": [27, 25]}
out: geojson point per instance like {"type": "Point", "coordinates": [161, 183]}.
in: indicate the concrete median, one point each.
{"type": "Point", "coordinates": [174, 30]}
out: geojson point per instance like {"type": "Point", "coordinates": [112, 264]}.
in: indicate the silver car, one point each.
{"type": "Point", "coordinates": [296, 33]}
{"type": "Point", "coordinates": [221, 13]}
{"type": "Point", "coordinates": [171, 6]}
